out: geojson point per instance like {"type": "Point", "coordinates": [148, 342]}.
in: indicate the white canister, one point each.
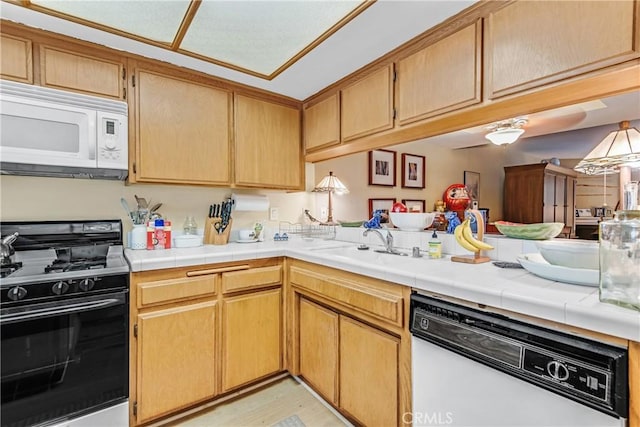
{"type": "Point", "coordinates": [139, 237]}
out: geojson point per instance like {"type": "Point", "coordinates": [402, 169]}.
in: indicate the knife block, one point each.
{"type": "Point", "coordinates": [211, 235]}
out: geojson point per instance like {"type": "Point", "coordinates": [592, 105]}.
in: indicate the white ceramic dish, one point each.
{"type": "Point", "coordinates": [246, 240]}
{"type": "Point", "coordinates": [412, 221]}
{"type": "Point", "coordinates": [534, 263]}
{"type": "Point", "coordinates": [571, 253]}
{"type": "Point", "coordinates": [187, 241]}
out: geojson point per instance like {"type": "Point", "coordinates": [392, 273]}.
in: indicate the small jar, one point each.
{"type": "Point", "coordinates": [620, 259]}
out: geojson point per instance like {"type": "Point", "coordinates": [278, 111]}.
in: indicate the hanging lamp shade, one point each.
{"type": "Point", "coordinates": [618, 148]}
{"type": "Point", "coordinates": [507, 131]}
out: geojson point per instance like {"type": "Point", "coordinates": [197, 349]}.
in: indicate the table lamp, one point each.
{"type": "Point", "coordinates": [330, 184]}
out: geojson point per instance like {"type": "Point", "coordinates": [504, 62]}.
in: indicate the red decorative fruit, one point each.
{"type": "Point", "coordinates": [456, 197]}
{"type": "Point", "coordinates": [399, 207]}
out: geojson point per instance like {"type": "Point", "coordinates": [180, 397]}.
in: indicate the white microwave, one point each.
{"type": "Point", "coordinates": [49, 132]}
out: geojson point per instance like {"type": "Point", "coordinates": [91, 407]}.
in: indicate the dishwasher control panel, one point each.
{"type": "Point", "coordinates": [580, 377]}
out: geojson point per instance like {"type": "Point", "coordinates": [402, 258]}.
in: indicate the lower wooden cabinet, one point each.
{"type": "Point", "coordinates": [348, 344]}
{"type": "Point", "coordinates": [252, 337]}
{"type": "Point", "coordinates": [368, 373]}
{"type": "Point", "coordinates": [318, 348]}
{"type": "Point", "coordinates": [176, 358]}
{"type": "Point", "coordinates": [200, 332]}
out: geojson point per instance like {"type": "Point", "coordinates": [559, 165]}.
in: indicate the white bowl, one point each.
{"type": "Point", "coordinates": [412, 221]}
{"type": "Point", "coordinates": [187, 241]}
{"type": "Point", "coordinates": [571, 253]}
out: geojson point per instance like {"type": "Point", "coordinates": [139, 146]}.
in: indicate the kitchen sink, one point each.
{"type": "Point", "coordinates": [373, 254]}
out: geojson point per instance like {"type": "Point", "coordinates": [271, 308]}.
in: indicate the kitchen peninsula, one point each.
{"type": "Point", "coordinates": [320, 278]}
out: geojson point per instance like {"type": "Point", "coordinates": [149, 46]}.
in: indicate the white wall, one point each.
{"type": "Point", "coordinates": [443, 168]}
{"type": "Point", "coordinates": [36, 198]}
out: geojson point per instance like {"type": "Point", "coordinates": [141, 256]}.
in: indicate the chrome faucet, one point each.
{"type": "Point", "coordinates": [388, 242]}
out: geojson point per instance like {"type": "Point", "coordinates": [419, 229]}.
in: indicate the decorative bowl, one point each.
{"type": "Point", "coordinates": [351, 223]}
{"type": "Point", "coordinates": [538, 231]}
{"type": "Point", "coordinates": [571, 253]}
{"type": "Point", "coordinates": [411, 221]}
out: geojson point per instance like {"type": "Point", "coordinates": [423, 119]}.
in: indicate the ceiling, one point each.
{"type": "Point", "coordinates": [376, 30]}
{"type": "Point", "coordinates": [369, 33]}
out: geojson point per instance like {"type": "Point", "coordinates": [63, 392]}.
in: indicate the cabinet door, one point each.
{"type": "Point", "coordinates": [367, 105]}
{"type": "Point", "coordinates": [16, 59]}
{"type": "Point", "coordinates": [252, 337]}
{"type": "Point", "coordinates": [368, 374]}
{"type": "Point", "coordinates": [318, 348]}
{"type": "Point", "coordinates": [441, 77]}
{"type": "Point", "coordinates": [268, 144]}
{"type": "Point", "coordinates": [182, 131]}
{"type": "Point", "coordinates": [61, 69]}
{"type": "Point", "coordinates": [549, 198]}
{"type": "Point", "coordinates": [532, 43]}
{"type": "Point", "coordinates": [175, 358]}
{"type": "Point", "coordinates": [322, 123]}
{"type": "Point", "coordinates": [560, 199]}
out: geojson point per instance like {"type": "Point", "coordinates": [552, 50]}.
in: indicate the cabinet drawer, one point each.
{"type": "Point", "coordinates": [161, 291]}
{"type": "Point", "coordinates": [365, 299]}
{"type": "Point", "coordinates": [247, 279]}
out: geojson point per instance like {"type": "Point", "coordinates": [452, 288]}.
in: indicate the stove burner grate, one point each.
{"type": "Point", "coordinates": [59, 265]}
{"type": "Point", "coordinates": [7, 269]}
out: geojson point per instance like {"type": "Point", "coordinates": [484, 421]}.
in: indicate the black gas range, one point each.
{"type": "Point", "coordinates": [64, 298]}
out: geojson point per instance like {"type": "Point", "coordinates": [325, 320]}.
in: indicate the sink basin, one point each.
{"type": "Point", "coordinates": [373, 254]}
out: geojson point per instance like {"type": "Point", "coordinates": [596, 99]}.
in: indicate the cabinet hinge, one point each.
{"type": "Point", "coordinates": [124, 73]}
{"type": "Point", "coordinates": [394, 113]}
{"type": "Point", "coordinates": [135, 330]}
{"type": "Point", "coordinates": [134, 172]}
{"type": "Point", "coordinates": [395, 75]}
{"type": "Point", "coordinates": [133, 80]}
{"type": "Point", "coordinates": [135, 409]}
{"type": "Point", "coordinates": [124, 93]}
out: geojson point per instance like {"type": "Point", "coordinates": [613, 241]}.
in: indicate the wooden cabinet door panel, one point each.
{"type": "Point", "coordinates": [368, 374]}
{"type": "Point", "coordinates": [441, 77]}
{"type": "Point", "coordinates": [531, 43]}
{"type": "Point", "coordinates": [61, 69]}
{"type": "Point", "coordinates": [318, 348]}
{"type": "Point", "coordinates": [252, 337]}
{"type": "Point", "coordinates": [182, 131]}
{"type": "Point", "coordinates": [549, 200]}
{"type": "Point", "coordinates": [367, 105]}
{"type": "Point", "coordinates": [16, 59]}
{"type": "Point", "coordinates": [175, 359]}
{"type": "Point", "coordinates": [268, 144]}
{"type": "Point", "coordinates": [322, 123]}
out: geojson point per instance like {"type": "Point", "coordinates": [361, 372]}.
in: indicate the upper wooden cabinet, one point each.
{"type": "Point", "coordinates": [182, 131]}
{"type": "Point", "coordinates": [62, 69]}
{"type": "Point", "coordinates": [532, 43]}
{"type": "Point", "coordinates": [268, 148]}
{"type": "Point", "coordinates": [367, 105]}
{"type": "Point", "coordinates": [322, 123]}
{"type": "Point", "coordinates": [441, 77]}
{"type": "Point", "coordinates": [16, 59]}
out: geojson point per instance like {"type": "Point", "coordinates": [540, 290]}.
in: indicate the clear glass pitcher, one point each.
{"type": "Point", "coordinates": [620, 259]}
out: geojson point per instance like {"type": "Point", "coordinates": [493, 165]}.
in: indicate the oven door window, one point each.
{"type": "Point", "coordinates": [63, 359]}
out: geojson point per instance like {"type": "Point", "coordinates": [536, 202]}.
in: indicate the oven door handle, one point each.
{"type": "Point", "coordinates": [59, 310]}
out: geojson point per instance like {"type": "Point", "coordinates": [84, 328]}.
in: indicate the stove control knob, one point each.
{"type": "Point", "coordinates": [60, 288]}
{"type": "Point", "coordinates": [86, 285]}
{"type": "Point", "coordinates": [17, 293]}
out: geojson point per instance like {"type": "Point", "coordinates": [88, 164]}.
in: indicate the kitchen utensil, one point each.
{"type": "Point", "coordinates": [155, 207]}
{"type": "Point", "coordinates": [142, 202]}
{"type": "Point", "coordinates": [126, 207]}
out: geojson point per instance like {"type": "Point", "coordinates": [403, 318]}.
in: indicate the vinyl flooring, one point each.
{"type": "Point", "coordinates": [282, 404]}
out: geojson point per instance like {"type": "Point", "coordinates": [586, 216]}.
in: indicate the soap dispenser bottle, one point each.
{"type": "Point", "coordinates": [435, 246]}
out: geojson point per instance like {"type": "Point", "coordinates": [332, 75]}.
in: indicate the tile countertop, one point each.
{"type": "Point", "coordinates": [514, 290]}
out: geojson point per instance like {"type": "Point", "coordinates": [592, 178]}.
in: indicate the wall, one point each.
{"type": "Point", "coordinates": [36, 198]}
{"type": "Point", "coordinates": [444, 167]}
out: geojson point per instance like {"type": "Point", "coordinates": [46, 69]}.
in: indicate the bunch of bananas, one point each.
{"type": "Point", "coordinates": [465, 238]}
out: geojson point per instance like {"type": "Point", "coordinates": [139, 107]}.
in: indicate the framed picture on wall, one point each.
{"type": "Point", "coordinates": [413, 171]}
{"type": "Point", "coordinates": [472, 182]}
{"type": "Point", "coordinates": [414, 205]}
{"type": "Point", "coordinates": [384, 205]}
{"type": "Point", "coordinates": [382, 168]}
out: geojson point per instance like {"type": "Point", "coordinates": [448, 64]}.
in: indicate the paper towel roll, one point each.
{"type": "Point", "coordinates": [250, 203]}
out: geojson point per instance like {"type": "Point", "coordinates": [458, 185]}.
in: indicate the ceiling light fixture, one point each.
{"type": "Point", "coordinates": [618, 149]}
{"type": "Point", "coordinates": [330, 184]}
{"type": "Point", "coordinates": [506, 131]}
